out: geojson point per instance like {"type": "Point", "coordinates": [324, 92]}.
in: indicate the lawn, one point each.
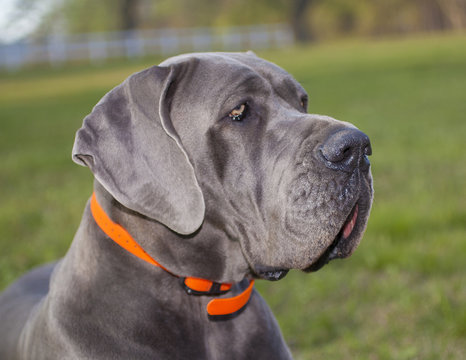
{"type": "Point", "coordinates": [402, 295]}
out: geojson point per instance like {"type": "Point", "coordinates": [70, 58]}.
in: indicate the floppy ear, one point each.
{"type": "Point", "coordinates": [131, 146]}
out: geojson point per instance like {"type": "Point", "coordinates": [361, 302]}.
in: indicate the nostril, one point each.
{"type": "Point", "coordinates": [335, 155]}
{"type": "Point", "coordinates": [346, 149]}
{"type": "Point", "coordinates": [368, 150]}
{"type": "Point", "coordinates": [347, 152]}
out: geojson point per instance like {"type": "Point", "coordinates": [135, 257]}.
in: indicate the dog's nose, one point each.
{"type": "Point", "coordinates": [346, 150]}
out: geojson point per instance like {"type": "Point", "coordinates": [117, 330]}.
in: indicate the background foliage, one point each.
{"type": "Point", "coordinates": [310, 19]}
{"type": "Point", "coordinates": [400, 296]}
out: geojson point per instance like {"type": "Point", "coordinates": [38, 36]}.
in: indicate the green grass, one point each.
{"type": "Point", "coordinates": [402, 295]}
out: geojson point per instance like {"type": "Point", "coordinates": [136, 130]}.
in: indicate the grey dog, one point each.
{"type": "Point", "coordinates": [212, 165]}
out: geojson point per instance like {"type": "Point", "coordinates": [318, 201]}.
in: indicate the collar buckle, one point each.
{"type": "Point", "coordinates": [197, 286]}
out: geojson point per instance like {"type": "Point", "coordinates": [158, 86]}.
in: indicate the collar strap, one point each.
{"type": "Point", "coordinates": [192, 285]}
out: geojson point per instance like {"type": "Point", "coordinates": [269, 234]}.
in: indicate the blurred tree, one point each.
{"type": "Point", "coordinates": [454, 12]}
{"type": "Point", "coordinates": [82, 16]}
{"type": "Point", "coordinates": [129, 14]}
{"type": "Point", "coordinates": [310, 19]}
{"type": "Point", "coordinates": [431, 15]}
{"type": "Point", "coordinates": [300, 20]}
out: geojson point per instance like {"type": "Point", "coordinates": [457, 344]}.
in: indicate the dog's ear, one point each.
{"type": "Point", "coordinates": [129, 143]}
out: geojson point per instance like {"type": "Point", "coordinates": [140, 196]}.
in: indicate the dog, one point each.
{"type": "Point", "coordinates": [209, 173]}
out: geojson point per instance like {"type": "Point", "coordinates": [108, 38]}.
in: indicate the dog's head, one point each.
{"type": "Point", "coordinates": [223, 141]}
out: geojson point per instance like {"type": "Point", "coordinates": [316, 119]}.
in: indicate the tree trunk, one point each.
{"type": "Point", "coordinates": [432, 16]}
{"type": "Point", "coordinates": [129, 14]}
{"type": "Point", "coordinates": [455, 11]}
{"type": "Point", "coordinates": [299, 21]}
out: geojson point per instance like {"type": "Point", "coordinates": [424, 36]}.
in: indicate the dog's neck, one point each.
{"type": "Point", "coordinates": [198, 255]}
{"type": "Point", "coordinates": [192, 285]}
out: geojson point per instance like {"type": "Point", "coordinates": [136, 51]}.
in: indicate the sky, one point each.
{"type": "Point", "coordinates": [13, 26]}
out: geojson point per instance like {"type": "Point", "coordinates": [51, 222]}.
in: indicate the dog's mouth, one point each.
{"type": "Point", "coordinates": [335, 250]}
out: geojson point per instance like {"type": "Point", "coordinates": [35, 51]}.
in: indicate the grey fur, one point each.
{"type": "Point", "coordinates": [204, 195]}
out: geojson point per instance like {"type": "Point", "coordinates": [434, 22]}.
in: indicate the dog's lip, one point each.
{"type": "Point", "coordinates": [270, 273]}
{"type": "Point", "coordinates": [348, 226]}
{"type": "Point", "coordinates": [333, 251]}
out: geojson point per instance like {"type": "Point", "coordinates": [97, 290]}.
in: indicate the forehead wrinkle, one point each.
{"type": "Point", "coordinates": [269, 72]}
{"type": "Point", "coordinates": [235, 66]}
{"type": "Point", "coordinates": [249, 77]}
{"type": "Point", "coordinates": [252, 83]}
{"type": "Point", "coordinates": [273, 74]}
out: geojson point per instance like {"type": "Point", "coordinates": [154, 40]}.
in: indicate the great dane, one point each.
{"type": "Point", "coordinates": [209, 173]}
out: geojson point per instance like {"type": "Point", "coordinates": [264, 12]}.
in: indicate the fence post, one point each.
{"type": "Point", "coordinates": [97, 45]}
{"type": "Point", "coordinates": [56, 50]}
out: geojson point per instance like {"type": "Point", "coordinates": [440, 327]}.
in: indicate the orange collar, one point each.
{"type": "Point", "coordinates": [192, 285]}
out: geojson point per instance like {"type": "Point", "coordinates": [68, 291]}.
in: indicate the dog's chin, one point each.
{"type": "Point", "coordinates": [346, 240]}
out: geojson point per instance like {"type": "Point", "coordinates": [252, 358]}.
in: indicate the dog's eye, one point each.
{"type": "Point", "coordinates": [304, 101]}
{"type": "Point", "coordinates": [238, 112]}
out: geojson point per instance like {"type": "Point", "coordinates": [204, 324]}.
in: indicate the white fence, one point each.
{"type": "Point", "coordinates": [97, 47]}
